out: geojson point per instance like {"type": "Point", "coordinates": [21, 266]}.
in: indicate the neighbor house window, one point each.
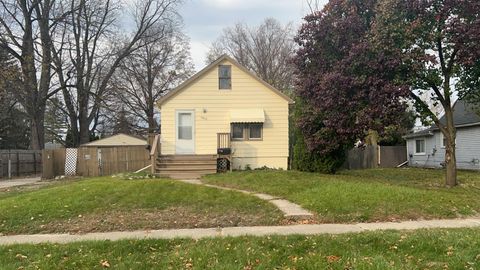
{"type": "Point", "coordinates": [224, 77]}
{"type": "Point", "coordinates": [244, 132]}
{"type": "Point", "coordinates": [444, 140]}
{"type": "Point", "coordinates": [419, 146]}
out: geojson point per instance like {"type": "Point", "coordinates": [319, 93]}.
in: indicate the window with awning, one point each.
{"type": "Point", "coordinates": [247, 116]}
{"type": "Point", "coordinates": [247, 124]}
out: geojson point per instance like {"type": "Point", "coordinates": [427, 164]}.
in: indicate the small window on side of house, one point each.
{"type": "Point", "coordinates": [444, 140]}
{"type": "Point", "coordinates": [420, 146]}
{"type": "Point", "coordinates": [237, 131]}
{"type": "Point", "coordinates": [247, 132]}
{"type": "Point", "coordinates": [255, 131]}
{"type": "Point", "coordinates": [224, 77]}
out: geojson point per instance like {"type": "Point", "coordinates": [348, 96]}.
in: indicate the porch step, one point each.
{"type": "Point", "coordinates": [185, 162]}
{"type": "Point", "coordinates": [186, 166]}
{"type": "Point", "coordinates": [187, 157]}
{"type": "Point", "coordinates": [188, 169]}
{"type": "Point", "coordinates": [182, 175]}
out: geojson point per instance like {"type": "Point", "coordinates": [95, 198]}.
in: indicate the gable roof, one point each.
{"type": "Point", "coordinates": [212, 65]}
{"type": "Point", "coordinates": [464, 115]}
{"type": "Point", "coordinates": [117, 140]}
{"type": "Point", "coordinates": [422, 133]}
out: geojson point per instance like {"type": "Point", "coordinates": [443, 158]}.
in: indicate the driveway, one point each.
{"type": "Point", "coordinates": [18, 182]}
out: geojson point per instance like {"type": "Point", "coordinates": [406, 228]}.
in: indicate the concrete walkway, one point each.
{"type": "Point", "coordinates": [241, 231]}
{"type": "Point", "coordinates": [290, 210]}
{"type": "Point", "coordinates": [18, 182]}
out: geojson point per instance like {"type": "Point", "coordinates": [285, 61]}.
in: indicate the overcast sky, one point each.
{"type": "Point", "coordinates": [205, 19]}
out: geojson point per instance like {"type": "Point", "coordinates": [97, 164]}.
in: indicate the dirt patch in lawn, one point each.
{"type": "Point", "coordinates": [148, 219]}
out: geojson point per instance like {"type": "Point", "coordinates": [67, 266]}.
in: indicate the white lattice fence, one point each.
{"type": "Point", "coordinates": [71, 161]}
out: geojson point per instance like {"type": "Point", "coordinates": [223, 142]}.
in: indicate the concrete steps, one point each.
{"type": "Point", "coordinates": [186, 166]}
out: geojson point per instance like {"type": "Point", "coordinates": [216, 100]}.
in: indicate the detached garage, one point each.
{"type": "Point", "coordinates": [115, 154]}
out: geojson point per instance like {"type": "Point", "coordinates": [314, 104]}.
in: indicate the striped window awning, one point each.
{"type": "Point", "coordinates": [247, 116]}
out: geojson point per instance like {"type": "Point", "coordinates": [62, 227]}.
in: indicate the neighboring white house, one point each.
{"type": "Point", "coordinates": [426, 148]}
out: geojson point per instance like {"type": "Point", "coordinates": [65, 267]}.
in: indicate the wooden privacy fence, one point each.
{"type": "Point", "coordinates": [53, 161]}
{"type": "Point", "coordinates": [392, 156]}
{"type": "Point", "coordinates": [97, 161]}
{"type": "Point", "coordinates": [16, 163]}
{"type": "Point", "coordinates": [372, 156]}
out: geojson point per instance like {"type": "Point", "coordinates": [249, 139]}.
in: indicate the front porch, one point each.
{"type": "Point", "coordinates": [191, 166]}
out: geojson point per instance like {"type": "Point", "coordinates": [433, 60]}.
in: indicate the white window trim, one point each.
{"type": "Point", "coordinates": [424, 147]}
{"type": "Point", "coordinates": [246, 132]}
{"type": "Point", "coordinates": [230, 78]}
{"type": "Point", "coordinates": [442, 137]}
{"type": "Point", "coordinates": [441, 140]}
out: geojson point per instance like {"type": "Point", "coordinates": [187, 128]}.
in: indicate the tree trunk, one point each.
{"type": "Point", "coordinates": [450, 157]}
{"type": "Point", "coordinates": [152, 125]}
{"type": "Point", "coordinates": [37, 135]}
{"type": "Point", "coordinates": [83, 119]}
{"type": "Point", "coordinates": [29, 97]}
{"type": "Point", "coordinates": [451, 164]}
{"type": "Point", "coordinates": [84, 129]}
{"type": "Point", "coordinates": [74, 131]}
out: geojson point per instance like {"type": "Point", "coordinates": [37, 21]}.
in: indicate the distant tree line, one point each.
{"type": "Point", "coordinates": [71, 58]}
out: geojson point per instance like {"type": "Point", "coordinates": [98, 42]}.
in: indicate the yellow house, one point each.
{"type": "Point", "coordinates": [223, 109]}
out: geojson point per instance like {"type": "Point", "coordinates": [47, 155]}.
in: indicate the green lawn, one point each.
{"type": "Point", "coordinates": [106, 204]}
{"type": "Point", "coordinates": [366, 195]}
{"type": "Point", "coordinates": [422, 249]}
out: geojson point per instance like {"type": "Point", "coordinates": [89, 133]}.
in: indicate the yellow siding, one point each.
{"type": "Point", "coordinates": [212, 115]}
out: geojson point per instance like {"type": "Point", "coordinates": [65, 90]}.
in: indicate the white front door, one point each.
{"type": "Point", "coordinates": [185, 132]}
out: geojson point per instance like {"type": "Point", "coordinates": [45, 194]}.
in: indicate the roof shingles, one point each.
{"type": "Point", "coordinates": [464, 114]}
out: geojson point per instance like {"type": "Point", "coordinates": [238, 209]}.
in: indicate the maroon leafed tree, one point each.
{"type": "Point", "coordinates": [346, 87]}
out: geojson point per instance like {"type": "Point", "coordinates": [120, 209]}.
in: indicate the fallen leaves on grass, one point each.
{"type": "Point", "coordinates": [20, 256]}
{"type": "Point", "coordinates": [289, 221]}
{"type": "Point", "coordinates": [450, 251]}
{"type": "Point", "coordinates": [105, 264]}
{"type": "Point", "coordinates": [148, 219]}
{"type": "Point", "coordinates": [332, 258]}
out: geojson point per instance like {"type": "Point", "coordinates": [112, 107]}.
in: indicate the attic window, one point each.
{"type": "Point", "coordinates": [224, 77]}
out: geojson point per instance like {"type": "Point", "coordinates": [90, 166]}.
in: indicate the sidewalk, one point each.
{"type": "Point", "coordinates": [18, 182]}
{"type": "Point", "coordinates": [290, 210]}
{"type": "Point", "coordinates": [239, 231]}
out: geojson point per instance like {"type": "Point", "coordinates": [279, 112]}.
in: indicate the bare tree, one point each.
{"type": "Point", "coordinates": [266, 50]}
{"type": "Point", "coordinates": [14, 129]}
{"type": "Point", "coordinates": [96, 48]}
{"type": "Point", "coordinates": [25, 32]}
{"type": "Point", "coordinates": [151, 72]}
{"type": "Point", "coordinates": [315, 5]}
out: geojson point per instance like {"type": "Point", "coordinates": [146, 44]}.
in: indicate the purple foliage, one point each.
{"type": "Point", "coordinates": [347, 87]}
